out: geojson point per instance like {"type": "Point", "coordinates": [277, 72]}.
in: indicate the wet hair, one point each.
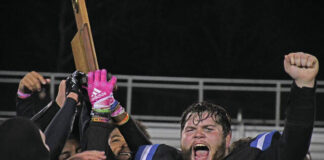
{"type": "Point", "coordinates": [216, 112]}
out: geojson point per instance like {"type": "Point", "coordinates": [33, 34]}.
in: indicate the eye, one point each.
{"type": "Point", "coordinates": [115, 140]}
{"type": "Point", "coordinates": [189, 129]}
{"type": "Point", "coordinates": [209, 129]}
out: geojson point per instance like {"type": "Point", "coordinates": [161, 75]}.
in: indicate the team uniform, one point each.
{"type": "Point", "coordinates": [28, 107]}
{"type": "Point", "coordinates": [292, 144]}
{"type": "Point", "coordinates": [55, 122]}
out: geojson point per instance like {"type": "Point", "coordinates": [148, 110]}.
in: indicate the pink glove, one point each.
{"type": "Point", "coordinates": [101, 92]}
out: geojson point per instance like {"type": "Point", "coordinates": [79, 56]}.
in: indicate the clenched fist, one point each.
{"type": "Point", "coordinates": [32, 82]}
{"type": "Point", "coordinates": [302, 67]}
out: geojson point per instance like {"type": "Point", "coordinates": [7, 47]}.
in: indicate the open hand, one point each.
{"type": "Point", "coordinates": [100, 90]}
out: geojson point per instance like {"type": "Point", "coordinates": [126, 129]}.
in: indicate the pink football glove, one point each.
{"type": "Point", "coordinates": [101, 92]}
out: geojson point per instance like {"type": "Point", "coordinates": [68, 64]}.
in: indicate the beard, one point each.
{"type": "Point", "coordinates": [186, 154]}
{"type": "Point", "coordinates": [220, 151]}
{"type": "Point", "coordinates": [218, 155]}
{"type": "Point", "coordinates": [123, 157]}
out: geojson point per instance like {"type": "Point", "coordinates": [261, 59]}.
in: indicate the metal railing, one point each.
{"type": "Point", "coordinates": [183, 83]}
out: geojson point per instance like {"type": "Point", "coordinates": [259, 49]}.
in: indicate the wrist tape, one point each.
{"type": "Point", "coordinates": [23, 95]}
{"type": "Point", "coordinates": [120, 110]}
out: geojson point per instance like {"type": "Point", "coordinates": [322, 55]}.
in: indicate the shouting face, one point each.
{"type": "Point", "coordinates": [203, 139]}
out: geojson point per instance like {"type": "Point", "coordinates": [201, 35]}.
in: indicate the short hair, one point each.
{"type": "Point", "coordinates": [218, 113]}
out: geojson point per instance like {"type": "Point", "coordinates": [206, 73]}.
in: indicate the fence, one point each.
{"type": "Point", "coordinates": [200, 85]}
{"type": "Point", "coordinates": [168, 132]}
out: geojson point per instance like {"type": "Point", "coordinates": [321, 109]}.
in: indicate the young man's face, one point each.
{"type": "Point", "coordinates": [118, 145]}
{"type": "Point", "coordinates": [70, 148]}
{"type": "Point", "coordinates": [203, 140]}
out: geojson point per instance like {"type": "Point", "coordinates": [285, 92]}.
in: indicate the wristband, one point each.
{"type": "Point", "coordinates": [102, 110]}
{"type": "Point", "coordinates": [114, 106]}
{"type": "Point", "coordinates": [100, 119]}
{"type": "Point", "coordinates": [120, 110]}
{"type": "Point", "coordinates": [95, 113]}
{"type": "Point", "coordinates": [126, 118]}
{"type": "Point", "coordinates": [23, 95]}
{"type": "Point", "coordinates": [106, 110]}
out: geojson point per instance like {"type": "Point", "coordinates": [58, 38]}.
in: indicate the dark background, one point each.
{"type": "Point", "coordinates": [187, 38]}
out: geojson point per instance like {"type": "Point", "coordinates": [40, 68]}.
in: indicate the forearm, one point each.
{"type": "Point", "coordinates": [301, 106]}
{"type": "Point", "coordinates": [97, 137]}
{"type": "Point", "coordinates": [59, 128]}
{"type": "Point", "coordinates": [25, 107]}
{"type": "Point", "coordinates": [299, 122]}
{"type": "Point", "coordinates": [133, 135]}
{"type": "Point", "coordinates": [44, 116]}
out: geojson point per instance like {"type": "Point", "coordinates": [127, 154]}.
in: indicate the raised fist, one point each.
{"type": "Point", "coordinates": [32, 82]}
{"type": "Point", "coordinates": [302, 67]}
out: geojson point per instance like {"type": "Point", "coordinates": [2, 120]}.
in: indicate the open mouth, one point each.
{"type": "Point", "coordinates": [124, 156]}
{"type": "Point", "coordinates": [201, 152]}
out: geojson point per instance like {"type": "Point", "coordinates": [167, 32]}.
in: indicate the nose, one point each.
{"type": "Point", "coordinates": [125, 144]}
{"type": "Point", "coordinates": [199, 133]}
{"type": "Point", "coordinates": [124, 147]}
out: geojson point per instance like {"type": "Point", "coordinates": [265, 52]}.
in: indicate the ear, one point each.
{"type": "Point", "coordinates": [228, 139]}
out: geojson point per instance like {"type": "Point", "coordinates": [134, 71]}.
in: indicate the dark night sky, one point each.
{"type": "Point", "coordinates": [215, 38]}
{"type": "Point", "coordinates": [187, 38]}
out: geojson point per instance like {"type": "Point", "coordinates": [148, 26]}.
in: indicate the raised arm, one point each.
{"type": "Point", "coordinates": [106, 107]}
{"type": "Point", "coordinates": [44, 116]}
{"type": "Point", "coordinates": [59, 128]}
{"type": "Point", "coordinates": [300, 113]}
{"type": "Point", "coordinates": [31, 84]}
